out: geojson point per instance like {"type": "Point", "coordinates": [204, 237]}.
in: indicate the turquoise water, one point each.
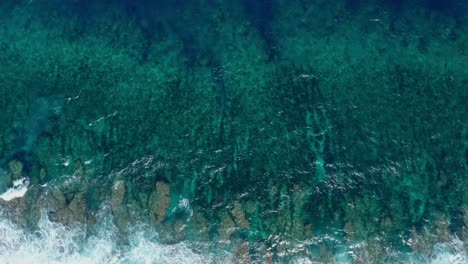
{"type": "Point", "coordinates": [215, 131]}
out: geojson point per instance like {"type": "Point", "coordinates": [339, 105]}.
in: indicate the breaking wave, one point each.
{"type": "Point", "coordinates": [55, 243]}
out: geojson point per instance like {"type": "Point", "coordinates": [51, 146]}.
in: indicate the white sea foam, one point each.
{"type": "Point", "coordinates": [54, 243]}
{"type": "Point", "coordinates": [20, 187]}
{"type": "Point", "coordinates": [452, 252]}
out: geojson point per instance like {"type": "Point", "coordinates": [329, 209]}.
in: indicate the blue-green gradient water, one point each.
{"type": "Point", "coordinates": [212, 131]}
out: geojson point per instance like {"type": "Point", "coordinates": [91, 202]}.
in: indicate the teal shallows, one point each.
{"type": "Point", "coordinates": [351, 127]}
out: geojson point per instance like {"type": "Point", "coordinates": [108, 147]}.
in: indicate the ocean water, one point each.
{"type": "Point", "coordinates": [216, 131]}
{"type": "Point", "coordinates": [55, 243]}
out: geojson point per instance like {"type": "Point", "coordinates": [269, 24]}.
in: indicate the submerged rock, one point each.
{"type": "Point", "coordinates": [159, 202]}
{"type": "Point", "coordinates": [118, 204]}
{"type": "Point", "coordinates": [117, 195]}
{"type": "Point", "coordinates": [172, 233]}
{"type": "Point", "coordinates": [16, 169]}
{"type": "Point", "coordinates": [200, 229]}
{"type": "Point", "coordinates": [77, 207]}
{"type": "Point", "coordinates": [25, 210]}
{"type": "Point", "coordinates": [239, 216]}
{"type": "Point", "coordinates": [227, 227]}
{"type": "Point", "coordinates": [63, 209]}
{"type": "Point", "coordinates": [242, 253]}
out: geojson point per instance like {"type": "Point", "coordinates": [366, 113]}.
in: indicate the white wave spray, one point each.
{"type": "Point", "coordinates": [54, 243]}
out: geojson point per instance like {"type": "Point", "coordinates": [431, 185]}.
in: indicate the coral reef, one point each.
{"type": "Point", "coordinates": [317, 129]}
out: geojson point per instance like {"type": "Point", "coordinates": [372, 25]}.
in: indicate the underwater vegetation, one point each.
{"type": "Point", "coordinates": [276, 131]}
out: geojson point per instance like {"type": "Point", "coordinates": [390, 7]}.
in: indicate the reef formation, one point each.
{"type": "Point", "coordinates": [326, 129]}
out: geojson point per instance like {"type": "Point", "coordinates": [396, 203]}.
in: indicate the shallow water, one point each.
{"type": "Point", "coordinates": [239, 131]}
{"type": "Point", "coordinates": [55, 243]}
